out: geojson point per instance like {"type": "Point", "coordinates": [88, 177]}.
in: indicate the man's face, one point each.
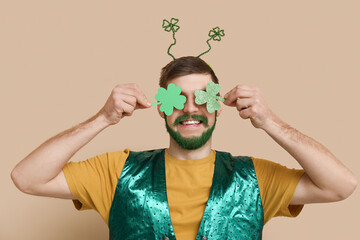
{"type": "Point", "coordinates": [191, 133]}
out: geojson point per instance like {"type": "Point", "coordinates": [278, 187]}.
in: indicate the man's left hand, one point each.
{"type": "Point", "coordinates": [250, 104]}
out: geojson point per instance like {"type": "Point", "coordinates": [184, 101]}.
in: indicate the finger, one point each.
{"type": "Point", "coordinates": [135, 91]}
{"type": "Point", "coordinates": [127, 109]}
{"type": "Point", "coordinates": [232, 96]}
{"type": "Point", "coordinates": [243, 103]}
{"type": "Point", "coordinates": [142, 101]}
{"type": "Point", "coordinates": [240, 91]}
{"type": "Point", "coordinates": [245, 113]}
{"type": "Point", "coordinates": [243, 87]}
{"type": "Point", "coordinates": [129, 99]}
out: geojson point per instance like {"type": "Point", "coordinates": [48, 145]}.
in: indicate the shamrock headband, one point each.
{"type": "Point", "coordinates": [214, 34]}
{"type": "Point", "coordinates": [171, 97]}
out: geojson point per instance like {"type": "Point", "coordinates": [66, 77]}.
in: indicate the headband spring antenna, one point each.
{"type": "Point", "coordinates": [171, 26]}
{"type": "Point", "coordinates": [214, 34]}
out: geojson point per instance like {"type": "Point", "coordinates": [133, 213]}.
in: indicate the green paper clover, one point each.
{"type": "Point", "coordinates": [209, 97]}
{"type": "Point", "coordinates": [170, 99]}
{"type": "Point", "coordinates": [216, 34]}
{"type": "Point", "coordinates": [171, 26]}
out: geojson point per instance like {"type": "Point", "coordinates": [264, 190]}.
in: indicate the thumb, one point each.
{"type": "Point", "coordinates": [142, 102]}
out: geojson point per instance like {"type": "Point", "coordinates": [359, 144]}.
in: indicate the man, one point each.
{"type": "Point", "coordinates": [208, 194]}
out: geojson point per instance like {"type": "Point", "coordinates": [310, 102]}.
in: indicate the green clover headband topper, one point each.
{"type": "Point", "coordinates": [214, 34]}
{"type": "Point", "coordinates": [172, 98]}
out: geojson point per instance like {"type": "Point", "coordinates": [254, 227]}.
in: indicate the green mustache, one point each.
{"type": "Point", "coordinates": [195, 116]}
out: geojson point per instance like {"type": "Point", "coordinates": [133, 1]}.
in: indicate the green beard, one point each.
{"type": "Point", "coordinates": [193, 142]}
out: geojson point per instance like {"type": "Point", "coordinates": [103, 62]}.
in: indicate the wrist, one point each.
{"type": "Point", "coordinates": [274, 125]}
{"type": "Point", "coordinates": [100, 121]}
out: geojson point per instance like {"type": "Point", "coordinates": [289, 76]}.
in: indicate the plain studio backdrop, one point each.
{"type": "Point", "coordinates": [59, 61]}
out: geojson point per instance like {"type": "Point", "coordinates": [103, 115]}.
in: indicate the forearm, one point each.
{"type": "Point", "coordinates": [323, 168]}
{"type": "Point", "coordinates": [47, 161]}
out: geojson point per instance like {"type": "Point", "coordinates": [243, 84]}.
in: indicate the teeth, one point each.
{"type": "Point", "coordinates": [190, 122]}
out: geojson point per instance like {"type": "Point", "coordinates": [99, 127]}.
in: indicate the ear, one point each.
{"type": "Point", "coordinates": [221, 108]}
{"type": "Point", "coordinates": [160, 112]}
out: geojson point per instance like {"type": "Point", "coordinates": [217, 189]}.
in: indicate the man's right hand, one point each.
{"type": "Point", "coordinates": [123, 100]}
{"type": "Point", "coordinates": [40, 172]}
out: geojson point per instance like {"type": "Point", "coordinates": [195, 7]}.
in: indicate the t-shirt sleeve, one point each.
{"type": "Point", "coordinates": [93, 182]}
{"type": "Point", "coordinates": [277, 185]}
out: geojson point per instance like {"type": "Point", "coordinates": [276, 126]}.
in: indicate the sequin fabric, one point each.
{"type": "Point", "coordinates": [140, 208]}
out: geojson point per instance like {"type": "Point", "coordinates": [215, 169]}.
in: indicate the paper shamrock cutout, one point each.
{"type": "Point", "coordinates": [170, 99]}
{"type": "Point", "coordinates": [209, 97]}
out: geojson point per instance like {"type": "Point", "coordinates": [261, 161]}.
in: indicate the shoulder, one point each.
{"type": "Point", "coordinates": [145, 154]}
{"type": "Point", "coordinates": [148, 152]}
{"type": "Point", "coordinates": [264, 166]}
{"type": "Point", "coordinates": [243, 165]}
{"type": "Point", "coordinates": [261, 164]}
{"type": "Point", "coordinates": [228, 155]}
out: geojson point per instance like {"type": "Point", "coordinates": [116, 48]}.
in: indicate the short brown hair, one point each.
{"type": "Point", "coordinates": [185, 66]}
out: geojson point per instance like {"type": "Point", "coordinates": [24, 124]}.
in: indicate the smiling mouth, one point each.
{"type": "Point", "coordinates": [190, 122]}
{"type": "Point", "coordinates": [194, 120]}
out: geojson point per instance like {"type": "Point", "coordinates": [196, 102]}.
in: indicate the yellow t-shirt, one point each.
{"type": "Point", "coordinates": [188, 183]}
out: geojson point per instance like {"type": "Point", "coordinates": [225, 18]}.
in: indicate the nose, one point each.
{"type": "Point", "coordinates": [190, 106]}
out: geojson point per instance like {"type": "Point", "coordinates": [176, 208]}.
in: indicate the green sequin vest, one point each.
{"type": "Point", "coordinates": [140, 209]}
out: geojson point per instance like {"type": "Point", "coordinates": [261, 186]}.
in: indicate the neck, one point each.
{"type": "Point", "coordinates": [184, 154]}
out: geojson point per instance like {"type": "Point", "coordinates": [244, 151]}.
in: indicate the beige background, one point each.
{"type": "Point", "coordinates": [60, 60]}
